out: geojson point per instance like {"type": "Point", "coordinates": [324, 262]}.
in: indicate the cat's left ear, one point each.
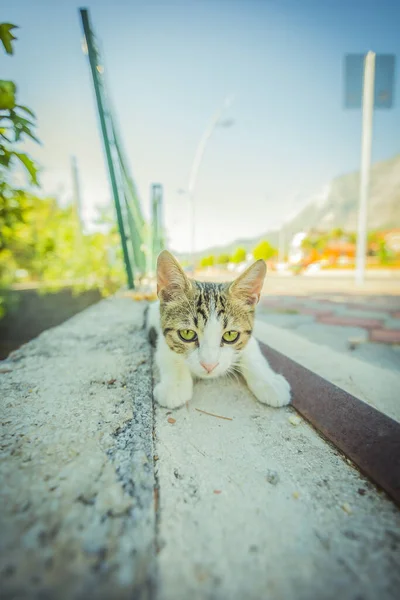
{"type": "Point", "coordinates": [171, 279]}
{"type": "Point", "coordinates": [248, 285]}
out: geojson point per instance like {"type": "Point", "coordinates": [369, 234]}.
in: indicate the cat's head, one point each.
{"type": "Point", "coordinates": [209, 324]}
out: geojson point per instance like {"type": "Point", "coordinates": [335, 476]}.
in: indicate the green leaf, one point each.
{"type": "Point", "coordinates": [29, 166]}
{"type": "Point", "coordinates": [27, 131]}
{"type": "Point", "coordinates": [7, 94]}
{"type": "Point", "coordinates": [26, 109]}
{"type": "Point", "coordinates": [6, 37]}
{"type": "Point", "coordinates": [25, 122]}
{"type": "Point", "coordinates": [3, 132]}
{"type": "Point", "coordinates": [5, 156]}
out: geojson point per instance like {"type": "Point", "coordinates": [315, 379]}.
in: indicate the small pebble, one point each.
{"type": "Point", "coordinates": [171, 420]}
{"type": "Point", "coordinates": [354, 342]}
{"type": "Point", "coordinates": [272, 477]}
{"type": "Point", "coordinates": [294, 420]}
{"type": "Point", "coordinates": [347, 508]}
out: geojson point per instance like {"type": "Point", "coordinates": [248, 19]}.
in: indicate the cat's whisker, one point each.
{"type": "Point", "coordinates": [242, 368]}
{"type": "Point", "coordinates": [233, 376]}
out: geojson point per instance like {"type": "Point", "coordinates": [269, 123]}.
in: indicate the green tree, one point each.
{"type": "Point", "coordinates": [207, 261]}
{"type": "Point", "coordinates": [38, 238]}
{"type": "Point", "coordinates": [49, 246]}
{"type": "Point", "coordinates": [384, 253]}
{"type": "Point", "coordinates": [223, 259]}
{"type": "Point", "coordinates": [352, 238]}
{"type": "Point", "coordinates": [264, 251]}
{"type": "Point", "coordinates": [337, 234]}
{"type": "Point", "coordinates": [315, 242]}
{"type": "Point", "coordinates": [17, 122]}
{"type": "Point", "coordinates": [239, 255]}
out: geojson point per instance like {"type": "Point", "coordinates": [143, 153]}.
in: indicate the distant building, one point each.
{"type": "Point", "coordinates": [296, 252]}
{"type": "Point", "coordinates": [392, 240]}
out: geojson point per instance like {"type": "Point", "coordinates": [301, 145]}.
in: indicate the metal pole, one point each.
{"type": "Point", "coordinates": [193, 230]}
{"type": "Point", "coordinates": [366, 145]}
{"type": "Point", "coordinates": [106, 141]}
{"type": "Point", "coordinates": [196, 165]}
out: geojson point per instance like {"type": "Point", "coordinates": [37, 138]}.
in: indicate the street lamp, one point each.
{"type": "Point", "coordinates": [216, 121]}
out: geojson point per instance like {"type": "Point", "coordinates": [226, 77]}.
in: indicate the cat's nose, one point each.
{"type": "Point", "coordinates": [209, 367]}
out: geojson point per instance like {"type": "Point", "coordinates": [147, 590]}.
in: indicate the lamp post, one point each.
{"type": "Point", "coordinates": [216, 121]}
{"type": "Point", "coordinates": [369, 85]}
{"type": "Point", "coordinates": [365, 170]}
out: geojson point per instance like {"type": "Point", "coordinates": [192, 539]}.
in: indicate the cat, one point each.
{"type": "Point", "coordinates": [204, 330]}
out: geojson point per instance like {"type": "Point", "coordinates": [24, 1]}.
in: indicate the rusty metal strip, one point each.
{"type": "Point", "coordinates": [366, 436]}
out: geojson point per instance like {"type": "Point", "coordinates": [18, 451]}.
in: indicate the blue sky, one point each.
{"type": "Point", "coordinates": [169, 65]}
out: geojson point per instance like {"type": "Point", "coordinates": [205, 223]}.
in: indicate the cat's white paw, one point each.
{"type": "Point", "coordinates": [173, 394]}
{"type": "Point", "coordinates": [272, 390]}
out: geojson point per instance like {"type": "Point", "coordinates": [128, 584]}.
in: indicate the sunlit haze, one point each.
{"type": "Point", "coordinates": [169, 66]}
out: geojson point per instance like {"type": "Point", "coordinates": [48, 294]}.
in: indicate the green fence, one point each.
{"type": "Point", "coordinates": [140, 241]}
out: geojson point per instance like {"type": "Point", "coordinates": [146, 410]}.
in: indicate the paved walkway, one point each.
{"type": "Point", "coordinates": [367, 327]}
{"type": "Point", "coordinates": [105, 496]}
{"type": "Point", "coordinates": [376, 282]}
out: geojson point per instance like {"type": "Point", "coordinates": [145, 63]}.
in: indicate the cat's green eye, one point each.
{"type": "Point", "coordinates": [230, 336]}
{"type": "Point", "coordinates": [187, 335]}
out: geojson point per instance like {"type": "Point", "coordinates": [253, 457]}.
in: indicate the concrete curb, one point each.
{"type": "Point", "coordinates": [374, 385]}
{"type": "Point", "coordinates": [260, 506]}
{"type": "Point", "coordinates": [251, 507]}
{"type": "Point", "coordinates": [77, 460]}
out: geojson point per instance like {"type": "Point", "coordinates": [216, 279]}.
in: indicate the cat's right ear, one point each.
{"type": "Point", "coordinates": [171, 280]}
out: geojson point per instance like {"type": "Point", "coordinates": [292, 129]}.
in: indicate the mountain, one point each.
{"type": "Point", "coordinates": [336, 206]}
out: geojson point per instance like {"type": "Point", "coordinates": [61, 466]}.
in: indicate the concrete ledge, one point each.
{"type": "Point", "coordinates": [366, 436]}
{"type": "Point", "coordinates": [77, 518]}
{"type": "Point", "coordinates": [256, 505]}
{"type": "Point", "coordinates": [259, 506]}
{"type": "Point", "coordinates": [374, 385]}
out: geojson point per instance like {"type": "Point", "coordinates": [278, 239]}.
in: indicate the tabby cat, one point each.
{"type": "Point", "coordinates": [204, 330]}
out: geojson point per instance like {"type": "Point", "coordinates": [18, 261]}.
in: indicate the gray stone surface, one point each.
{"type": "Point", "coordinates": [321, 532]}
{"type": "Point", "coordinates": [102, 497]}
{"type": "Point", "coordinates": [374, 383]}
{"type": "Point", "coordinates": [336, 336]}
{"type": "Point", "coordinates": [77, 518]}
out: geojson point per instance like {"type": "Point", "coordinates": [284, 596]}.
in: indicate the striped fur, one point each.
{"type": "Point", "coordinates": [210, 310]}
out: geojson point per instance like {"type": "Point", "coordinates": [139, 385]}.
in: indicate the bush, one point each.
{"type": "Point", "coordinates": [239, 256]}
{"type": "Point", "coordinates": [207, 261]}
{"type": "Point", "coordinates": [264, 251]}
{"type": "Point", "coordinates": [223, 259]}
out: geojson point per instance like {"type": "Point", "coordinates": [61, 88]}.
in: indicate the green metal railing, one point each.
{"type": "Point", "coordinates": [139, 241]}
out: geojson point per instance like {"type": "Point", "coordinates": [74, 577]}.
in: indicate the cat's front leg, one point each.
{"type": "Point", "coordinates": [267, 386]}
{"type": "Point", "coordinates": [173, 393]}
{"type": "Point", "coordinates": [176, 384]}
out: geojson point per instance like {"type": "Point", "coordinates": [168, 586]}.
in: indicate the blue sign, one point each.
{"type": "Point", "coordinates": [385, 65]}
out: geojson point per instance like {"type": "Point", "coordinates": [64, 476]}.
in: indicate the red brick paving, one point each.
{"type": "Point", "coordinates": [351, 322]}
{"type": "Point", "coordinates": [387, 336]}
{"type": "Point", "coordinates": [300, 308]}
{"type": "Point", "coordinates": [327, 315]}
{"type": "Point", "coordinates": [271, 301]}
{"type": "Point", "coordinates": [307, 310]}
{"type": "Point", "coordinates": [356, 306]}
